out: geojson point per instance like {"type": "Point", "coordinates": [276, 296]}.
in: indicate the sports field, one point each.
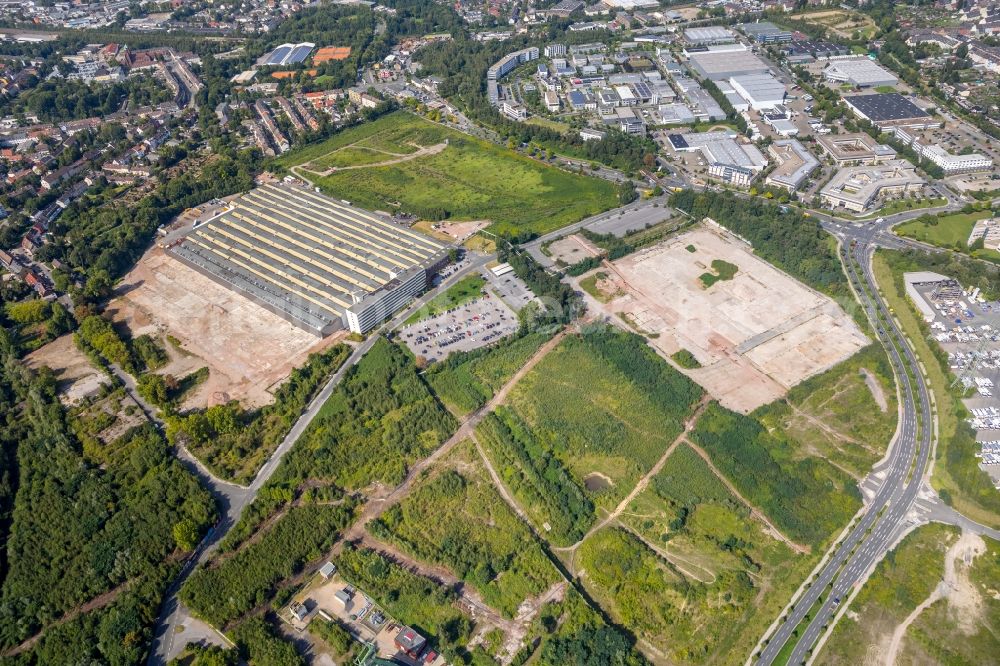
{"type": "Point", "coordinates": [404, 163]}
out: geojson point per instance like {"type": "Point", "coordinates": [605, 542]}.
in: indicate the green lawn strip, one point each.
{"type": "Point", "coordinates": [956, 444]}
{"type": "Point", "coordinates": [950, 231]}
{"type": "Point", "coordinates": [901, 205]}
{"type": "Point", "coordinates": [463, 291]}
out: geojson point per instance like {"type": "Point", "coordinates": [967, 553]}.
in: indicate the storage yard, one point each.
{"type": "Point", "coordinates": [967, 327]}
{"type": "Point", "coordinates": [310, 258]}
{"type": "Point", "coordinates": [756, 335]}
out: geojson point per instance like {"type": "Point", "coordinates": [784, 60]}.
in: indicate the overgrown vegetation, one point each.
{"type": "Point", "coordinates": [602, 401]}
{"type": "Point", "coordinates": [685, 359]}
{"type": "Point", "coordinates": [805, 496]}
{"type": "Point", "coordinates": [233, 442]}
{"type": "Point", "coordinates": [723, 271]}
{"type": "Point", "coordinates": [76, 527]}
{"type": "Point", "coordinates": [456, 518]}
{"type": "Point", "coordinates": [465, 381]}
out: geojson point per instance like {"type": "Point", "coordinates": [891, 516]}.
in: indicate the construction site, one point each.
{"type": "Point", "coordinates": [316, 262]}
{"type": "Point", "coordinates": [754, 330]}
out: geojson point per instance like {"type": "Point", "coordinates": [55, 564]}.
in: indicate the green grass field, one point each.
{"type": "Point", "coordinates": [463, 291]}
{"type": "Point", "coordinates": [602, 404]}
{"type": "Point", "coordinates": [470, 179]}
{"type": "Point", "coordinates": [949, 231]}
{"type": "Point", "coordinates": [836, 414]}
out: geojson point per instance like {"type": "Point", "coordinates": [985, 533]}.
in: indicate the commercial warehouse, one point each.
{"type": "Point", "coordinates": [859, 72]}
{"type": "Point", "coordinates": [317, 262]}
{"type": "Point", "coordinates": [715, 34]}
{"type": "Point", "coordinates": [890, 110]}
{"type": "Point", "coordinates": [761, 91]}
{"type": "Point", "coordinates": [717, 65]}
{"type": "Point", "coordinates": [765, 32]}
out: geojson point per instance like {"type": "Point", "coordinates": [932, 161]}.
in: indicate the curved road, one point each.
{"type": "Point", "coordinates": [900, 474]}
{"type": "Point", "coordinates": [232, 498]}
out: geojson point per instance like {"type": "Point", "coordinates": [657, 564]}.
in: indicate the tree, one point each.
{"type": "Point", "coordinates": [186, 535]}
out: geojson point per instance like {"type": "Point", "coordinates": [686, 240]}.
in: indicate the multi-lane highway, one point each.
{"type": "Point", "coordinates": [899, 476]}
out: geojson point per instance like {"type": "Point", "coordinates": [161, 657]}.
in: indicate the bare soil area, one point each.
{"type": "Point", "coordinates": [572, 249]}
{"type": "Point", "coordinates": [77, 378]}
{"type": "Point", "coordinates": [756, 335]}
{"type": "Point", "coordinates": [249, 351]}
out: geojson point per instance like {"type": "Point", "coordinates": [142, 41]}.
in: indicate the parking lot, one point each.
{"type": "Point", "coordinates": [463, 328]}
{"type": "Point", "coordinates": [968, 330]}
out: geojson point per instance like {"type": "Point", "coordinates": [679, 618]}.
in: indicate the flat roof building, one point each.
{"type": "Point", "coordinates": [765, 32]}
{"type": "Point", "coordinates": [761, 91]}
{"type": "Point", "coordinates": [713, 34]}
{"type": "Point", "coordinates": [859, 72]}
{"type": "Point", "coordinates": [307, 257]}
{"type": "Point", "coordinates": [856, 148]}
{"type": "Point", "coordinates": [795, 163]}
{"type": "Point", "coordinates": [717, 65]}
{"type": "Point", "coordinates": [720, 148]}
{"type": "Point", "coordinates": [953, 163]}
{"type": "Point", "coordinates": [858, 188]}
{"type": "Point", "coordinates": [890, 110]}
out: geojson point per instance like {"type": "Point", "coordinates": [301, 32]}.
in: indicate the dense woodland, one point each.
{"type": "Point", "coordinates": [109, 522]}
{"type": "Point", "coordinates": [58, 100]}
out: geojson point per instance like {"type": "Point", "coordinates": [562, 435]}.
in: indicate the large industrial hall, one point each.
{"type": "Point", "coordinates": [318, 262]}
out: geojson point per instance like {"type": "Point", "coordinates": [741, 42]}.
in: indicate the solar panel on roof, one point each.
{"type": "Point", "coordinates": [278, 55]}
{"type": "Point", "coordinates": [298, 54]}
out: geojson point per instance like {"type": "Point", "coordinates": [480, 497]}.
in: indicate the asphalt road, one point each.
{"type": "Point", "coordinates": [231, 498]}
{"type": "Point", "coordinates": [901, 473]}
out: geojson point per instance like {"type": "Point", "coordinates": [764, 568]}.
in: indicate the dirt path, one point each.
{"type": "Point", "coordinates": [963, 598]}
{"type": "Point", "coordinates": [872, 383]}
{"type": "Point", "coordinates": [377, 505]}
{"type": "Point", "coordinates": [468, 597]}
{"type": "Point", "coordinates": [754, 511]}
{"type": "Point", "coordinates": [674, 558]}
{"type": "Point", "coordinates": [642, 484]}
{"type": "Point", "coordinates": [97, 602]}
{"type": "Point", "coordinates": [423, 151]}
